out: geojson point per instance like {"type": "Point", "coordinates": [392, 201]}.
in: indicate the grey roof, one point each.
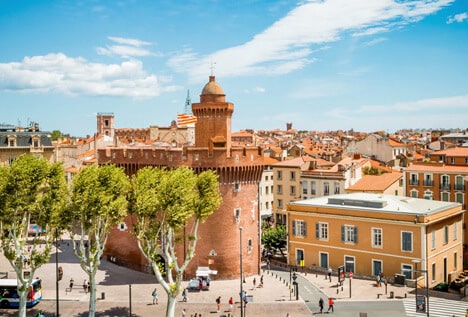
{"type": "Point", "coordinates": [379, 203]}
{"type": "Point", "coordinates": [24, 139]}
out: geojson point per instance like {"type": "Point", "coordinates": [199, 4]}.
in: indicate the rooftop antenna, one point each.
{"type": "Point", "coordinates": [188, 103]}
{"type": "Point", "coordinates": [212, 66]}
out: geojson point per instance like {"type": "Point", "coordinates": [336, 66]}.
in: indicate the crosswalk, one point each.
{"type": "Point", "coordinates": [438, 307]}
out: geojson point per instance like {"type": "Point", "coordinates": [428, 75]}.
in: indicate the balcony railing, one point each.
{"type": "Point", "coordinates": [414, 182]}
{"type": "Point", "coordinates": [459, 187]}
{"type": "Point", "coordinates": [445, 186]}
{"type": "Point", "coordinates": [429, 183]}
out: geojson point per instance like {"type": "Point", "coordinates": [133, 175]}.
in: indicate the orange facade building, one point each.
{"type": "Point", "coordinates": [239, 170]}
{"type": "Point", "coordinates": [370, 234]}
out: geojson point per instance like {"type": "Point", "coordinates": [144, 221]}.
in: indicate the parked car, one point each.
{"type": "Point", "coordinates": [193, 285]}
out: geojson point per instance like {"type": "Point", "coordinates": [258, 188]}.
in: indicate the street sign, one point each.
{"type": "Point", "coordinates": [350, 274]}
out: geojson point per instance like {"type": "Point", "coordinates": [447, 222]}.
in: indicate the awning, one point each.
{"type": "Point", "coordinates": [204, 271]}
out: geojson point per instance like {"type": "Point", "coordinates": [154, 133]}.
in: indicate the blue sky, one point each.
{"type": "Point", "coordinates": [319, 64]}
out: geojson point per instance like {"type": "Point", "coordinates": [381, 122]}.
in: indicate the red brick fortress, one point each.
{"type": "Point", "coordinates": [239, 170]}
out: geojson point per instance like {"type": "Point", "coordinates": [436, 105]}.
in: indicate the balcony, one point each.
{"type": "Point", "coordinates": [444, 186]}
{"type": "Point", "coordinates": [414, 182]}
{"type": "Point", "coordinates": [428, 182]}
{"type": "Point", "coordinates": [459, 187]}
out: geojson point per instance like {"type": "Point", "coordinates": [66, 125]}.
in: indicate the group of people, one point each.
{"type": "Point", "coordinates": [331, 303]}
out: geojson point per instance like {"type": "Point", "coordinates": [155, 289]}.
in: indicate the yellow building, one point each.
{"type": "Point", "coordinates": [370, 234]}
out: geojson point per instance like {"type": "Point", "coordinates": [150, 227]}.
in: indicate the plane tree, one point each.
{"type": "Point", "coordinates": [166, 203]}
{"type": "Point", "coordinates": [33, 193]}
{"type": "Point", "coordinates": [98, 203]}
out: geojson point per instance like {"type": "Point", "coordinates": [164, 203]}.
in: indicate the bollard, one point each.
{"type": "Point", "coordinates": [406, 295]}
{"type": "Point", "coordinates": [341, 288]}
{"type": "Point", "coordinates": [316, 275]}
{"type": "Point", "coordinates": [378, 296]}
{"type": "Point", "coordinates": [103, 295]}
{"type": "Point", "coordinates": [337, 290]}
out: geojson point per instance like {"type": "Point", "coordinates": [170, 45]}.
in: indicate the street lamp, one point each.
{"type": "Point", "coordinates": [58, 276]}
{"type": "Point", "coordinates": [296, 286]}
{"type": "Point", "coordinates": [350, 276]}
{"type": "Point", "coordinates": [241, 273]}
{"type": "Point", "coordinates": [416, 261]}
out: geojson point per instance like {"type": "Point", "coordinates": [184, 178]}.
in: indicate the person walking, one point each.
{"type": "Point", "coordinates": [321, 304]}
{"type": "Point", "coordinates": [329, 273]}
{"type": "Point", "coordinates": [330, 304]}
{"type": "Point", "coordinates": [254, 283]}
{"type": "Point", "coordinates": [155, 296]}
{"type": "Point", "coordinates": [218, 303]}
{"type": "Point", "coordinates": [184, 295]}
{"type": "Point", "coordinates": [71, 284]}
{"type": "Point", "coordinates": [231, 303]}
{"type": "Point", "coordinates": [183, 312]}
{"type": "Point", "coordinates": [85, 286]}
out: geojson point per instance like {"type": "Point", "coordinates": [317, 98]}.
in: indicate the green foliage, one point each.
{"type": "Point", "coordinates": [32, 190]}
{"type": "Point", "coordinates": [99, 195]}
{"type": "Point", "coordinates": [55, 135]}
{"type": "Point", "coordinates": [274, 238]}
{"type": "Point", "coordinates": [169, 205]}
{"type": "Point", "coordinates": [371, 171]}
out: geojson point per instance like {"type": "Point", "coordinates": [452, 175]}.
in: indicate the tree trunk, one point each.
{"type": "Point", "coordinates": [92, 296]}
{"type": "Point", "coordinates": [170, 308]}
{"type": "Point", "coordinates": [22, 304]}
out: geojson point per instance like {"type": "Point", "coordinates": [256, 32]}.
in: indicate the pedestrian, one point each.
{"type": "Point", "coordinates": [330, 304]}
{"type": "Point", "coordinates": [288, 315]}
{"type": "Point", "coordinates": [208, 281]}
{"type": "Point", "coordinates": [184, 295]}
{"type": "Point", "coordinates": [329, 273]}
{"type": "Point", "coordinates": [85, 286]}
{"type": "Point", "coordinates": [183, 312]}
{"type": "Point", "coordinates": [321, 304]}
{"type": "Point", "coordinates": [261, 280]}
{"type": "Point", "coordinates": [254, 283]}
{"type": "Point", "coordinates": [155, 296]}
{"type": "Point", "coordinates": [89, 287]}
{"type": "Point", "coordinates": [218, 303]}
{"type": "Point", "coordinates": [71, 284]}
{"type": "Point", "coordinates": [231, 303]}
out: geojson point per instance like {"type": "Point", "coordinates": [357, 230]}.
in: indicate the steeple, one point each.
{"type": "Point", "coordinates": [214, 115]}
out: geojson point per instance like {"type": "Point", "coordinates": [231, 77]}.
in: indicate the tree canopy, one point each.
{"type": "Point", "coordinates": [32, 191]}
{"type": "Point", "coordinates": [166, 204]}
{"type": "Point", "coordinates": [98, 203]}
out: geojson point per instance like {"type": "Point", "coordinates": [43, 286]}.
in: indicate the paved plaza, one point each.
{"type": "Point", "coordinates": [122, 291]}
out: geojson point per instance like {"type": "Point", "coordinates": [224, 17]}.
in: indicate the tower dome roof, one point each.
{"type": "Point", "coordinates": [212, 88]}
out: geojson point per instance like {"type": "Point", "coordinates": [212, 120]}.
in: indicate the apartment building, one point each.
{"type": "Point", "coordinates": [371, 233]}
{"type": "Point", "coordinates": [16, 141]}
{"type": "Point", "coordinates": [287, 184]}
{"type": "Point", "coordinates": [384, 149]}
{"type": "Point", "coordinates": [326, 181]}
{"type": "Point", "coordinates": [444, 177]}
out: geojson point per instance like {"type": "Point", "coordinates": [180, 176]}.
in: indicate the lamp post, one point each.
{"type": "Point", "coordinates": [416, 261]}
{"type": "Point", "coordinates": [350, 275]}
{"type": "Point", "coordinates": [296, 286]}
{"type": "Point", "coordinates": [241, 274]}
{"type": "Point", "coordinates": [57, 273]}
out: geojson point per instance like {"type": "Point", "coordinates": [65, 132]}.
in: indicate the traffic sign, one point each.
{"type": "Point", "coordinates": [350, 274]}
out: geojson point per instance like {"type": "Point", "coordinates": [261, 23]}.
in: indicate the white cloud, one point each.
{"type": "Point", "coordinates": [289, 43]}
{"type": "Point", "coordinates": [458, 18]}
{"type": "Point", "coordinates": [125, 48]}
{"type": "Point", "coordinates": [63, 74]}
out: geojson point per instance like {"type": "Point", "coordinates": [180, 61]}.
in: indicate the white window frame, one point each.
{"type": "Point", "coordinates": [377, 237]}
{"type": "Point", "coordinates": [322, 231]}
{"type": "Point", "coordinates": [299, 228]}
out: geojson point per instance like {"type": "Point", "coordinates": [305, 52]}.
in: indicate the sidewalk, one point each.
{"type": "Point", "coordinates": [361, 289]}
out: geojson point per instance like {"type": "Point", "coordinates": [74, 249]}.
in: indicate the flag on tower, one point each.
{"type": "Point", "coordinates": [185, 119]}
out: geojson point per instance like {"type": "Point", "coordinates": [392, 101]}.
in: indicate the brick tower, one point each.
{"type": "Point", "coordinates": [105, 124]}
{"type": "Point", "coordinates": [239, 170]}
